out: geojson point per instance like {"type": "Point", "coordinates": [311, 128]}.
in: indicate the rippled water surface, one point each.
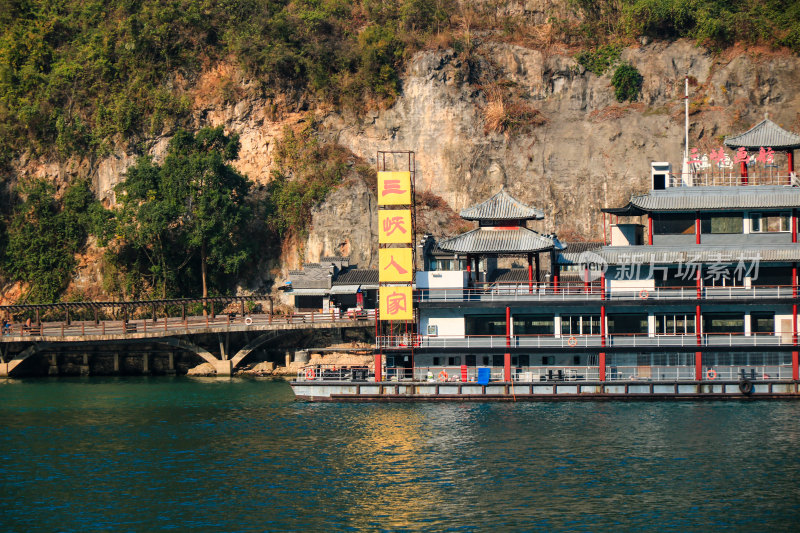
{"type": "Point", "coordinates": [145, 454]}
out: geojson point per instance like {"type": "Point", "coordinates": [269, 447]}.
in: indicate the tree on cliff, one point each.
{"type": "Point", "coordinates": [191, 207]}
{"type": "Point", "coordinates": [45, 233]}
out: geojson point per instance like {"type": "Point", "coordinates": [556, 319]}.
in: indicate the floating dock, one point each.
{"type": "Point", "coordinates": [349, 391]}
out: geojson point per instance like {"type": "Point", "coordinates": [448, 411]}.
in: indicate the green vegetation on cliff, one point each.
{"type": "Point", "coordinates": [183, 224]}
{"type": "Point", "coordinates": [45, 234]}
{"type": "Point", "coordinates": [80, 77]}
{"type": "Point", "coordinates": [716, 23]}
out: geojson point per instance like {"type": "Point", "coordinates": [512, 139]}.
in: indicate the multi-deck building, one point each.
{"type": "Point", "coordinates": [697, 281]}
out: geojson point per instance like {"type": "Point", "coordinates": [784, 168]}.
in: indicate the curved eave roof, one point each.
{"type": "Point", "coordinates": [501, 206]}
{"type": "Point", "coordinates": [499, 241]}
{"type": "Point", "coordinates": [764, 134]}
{"type": "Point", "coordinates": [710, 199]}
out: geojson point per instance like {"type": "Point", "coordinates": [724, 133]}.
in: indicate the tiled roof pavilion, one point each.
{"type": "Point", "coordinates": [501, 206]}
{"type": "Point", "coordinates": [765, 134]}
{"type": "Point", "coordinates": [511, 238]}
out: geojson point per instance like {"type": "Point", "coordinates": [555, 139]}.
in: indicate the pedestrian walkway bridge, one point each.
{"type": "Point", "coordinates": [31, 329]}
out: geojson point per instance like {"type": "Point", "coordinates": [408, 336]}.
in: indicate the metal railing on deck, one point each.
{"type": "Point", "coordinates": [537, 374]}
{"type": "Point", "coordinates": [548, 292]}
{"type": "Point", "coordinates": [642, 340]}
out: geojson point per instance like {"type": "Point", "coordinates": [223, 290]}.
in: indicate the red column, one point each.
{"type": "Point", "coordinates": [602, 285]}
{"type": "Point", "coordinates": [601, 360]}
{"type": "Point", "coordinates": [744, 172]}
{"type": "Point", "coordinates": [586, 279]}
{"type": "Point", "coordinates": [795, 373]}
{"type": "Point", "coordinates": [790, 158]}
{"type": "Point", "coordinates": [507, 356]}
{"type": "Point", "coordinates": [697, 227]}
{"type": "Point", "coordinates": [378, 365]}
{"type": "Point", "coordinates": [650, 230]}
{"type": "Point", "coordinates": [604, 230]}
{"type": "Point", "coordinates": [698, 356]}
{"type": "Point", "coordinates": [794, 225]}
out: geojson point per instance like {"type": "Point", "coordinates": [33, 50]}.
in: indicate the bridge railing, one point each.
{"type": "Point", "coordinates": [174, 325]}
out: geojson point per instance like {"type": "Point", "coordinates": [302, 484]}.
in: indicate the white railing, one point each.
{"type": "Point", "coordinates": [406, 342]}
{"type": "Point", "coordinates": [614, 373]}
{"type": "Point", "coordinates": [551, 293]}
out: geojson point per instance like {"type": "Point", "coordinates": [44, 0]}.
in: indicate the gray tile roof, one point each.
{"type": "Point", "coordinates": [357, 276]}
{"type": "Point", "coordinates": [498, 241]}
{"type": "Point", "coordinates": [712, 198]}
{"type": "Point", "coordinates": [764, 134]}
{"type": "Point", "coordinates": [661, 255]}
{"type": "Point", "coordinates": [572, 255]}
{"type": "Point", "coordinates": [501, 206]}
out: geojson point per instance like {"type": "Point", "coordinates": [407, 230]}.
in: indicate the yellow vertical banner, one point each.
{"type": "Point", "coordinates": [394, 188]}
{"type": "Point", "coordinates": [396, 303]}
{"type": "Point", "coordinates": [394, 226]}
{"type": "Point", "coordinates": [395, 265]}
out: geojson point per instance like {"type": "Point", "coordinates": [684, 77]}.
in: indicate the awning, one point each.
{"type": "Point", "coordinates": [309, 292]}
{"type": "Point", "coordinates": [344, 289]}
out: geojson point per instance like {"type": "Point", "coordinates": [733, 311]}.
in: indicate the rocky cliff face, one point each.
{"type": "Point", "coordinates": [591, 152]}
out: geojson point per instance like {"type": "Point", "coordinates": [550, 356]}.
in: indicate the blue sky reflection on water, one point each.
{"type": "Point", "coordinates": [143, 454]}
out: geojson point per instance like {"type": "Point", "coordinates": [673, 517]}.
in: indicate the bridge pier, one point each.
{"type": "Point", "coordinates": [85, 366]}
{"type": "Point", "coordinates": [53, 369]}
{"type": "Point", "coordinates": [5, 368]}
{"type": "Point", "coordinates": [145, 363]}
{"type": "Point", "coordinates": [224, 367]}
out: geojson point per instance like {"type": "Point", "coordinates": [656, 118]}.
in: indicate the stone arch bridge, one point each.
{"type": "Point", "coordinates": [223, 340]}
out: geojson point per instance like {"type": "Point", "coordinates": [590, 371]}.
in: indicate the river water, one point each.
{"type": "Point", "coordinates": [182, 454]}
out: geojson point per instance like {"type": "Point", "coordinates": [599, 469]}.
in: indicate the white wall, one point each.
{"type": "Point", "coordinates": [441, 279]}
{"type": "Point", "coordinates": [446, 322]}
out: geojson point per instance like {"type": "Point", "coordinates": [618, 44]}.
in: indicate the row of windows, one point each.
{"type": "Point", "coordinates": [679, 324]}
{"type": "Point", "coordinates": [684, 223]}
{"type": "Point", "coordinates": [621, 359]}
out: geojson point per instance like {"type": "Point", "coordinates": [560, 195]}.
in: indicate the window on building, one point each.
{"type": "Point", "coordinates": [454, 360]}
{"type": "Point", "coordinates": [673, 223]}
{"type": "Point", "coordinates": [723, 323]}
{"type": "Point", "coordinates": [447, 265]}
{"type": "Point", "coordinates": [762, 322]}
{"type": "Point", "coordinates": [485, 324]}
{"type": "Point", "coordinates": [534, 325]}
{"type": "Point", "coordinates": [766, 276]}
{"type": "Point", "coordinates": [580, 324]}
{"type": "Point", "coordinates": [722, 223]}
{"type": "Point", "coordinates": [627, 324]}
{"type": "Point", "coordinates": [436, 361]}
{"type": "Point", "coordinates": [548, 360]}
{"type": "Point", "coordinates": [769, 222]}
{"type": "Point", "coordinates": [675, 324]}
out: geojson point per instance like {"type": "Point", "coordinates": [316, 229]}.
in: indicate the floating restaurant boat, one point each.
{"type": "Point", "coordinates": [693, 295]}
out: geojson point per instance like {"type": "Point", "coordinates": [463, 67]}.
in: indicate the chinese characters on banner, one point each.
{"type": "Point", "coordinates": [394, 226]}
{"type": "Point", "coordinates": [395, 265]}
{"type": "Point", "coordinates": [396, 303]}
{"type": "Point", "coordinates": [394, 188]}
